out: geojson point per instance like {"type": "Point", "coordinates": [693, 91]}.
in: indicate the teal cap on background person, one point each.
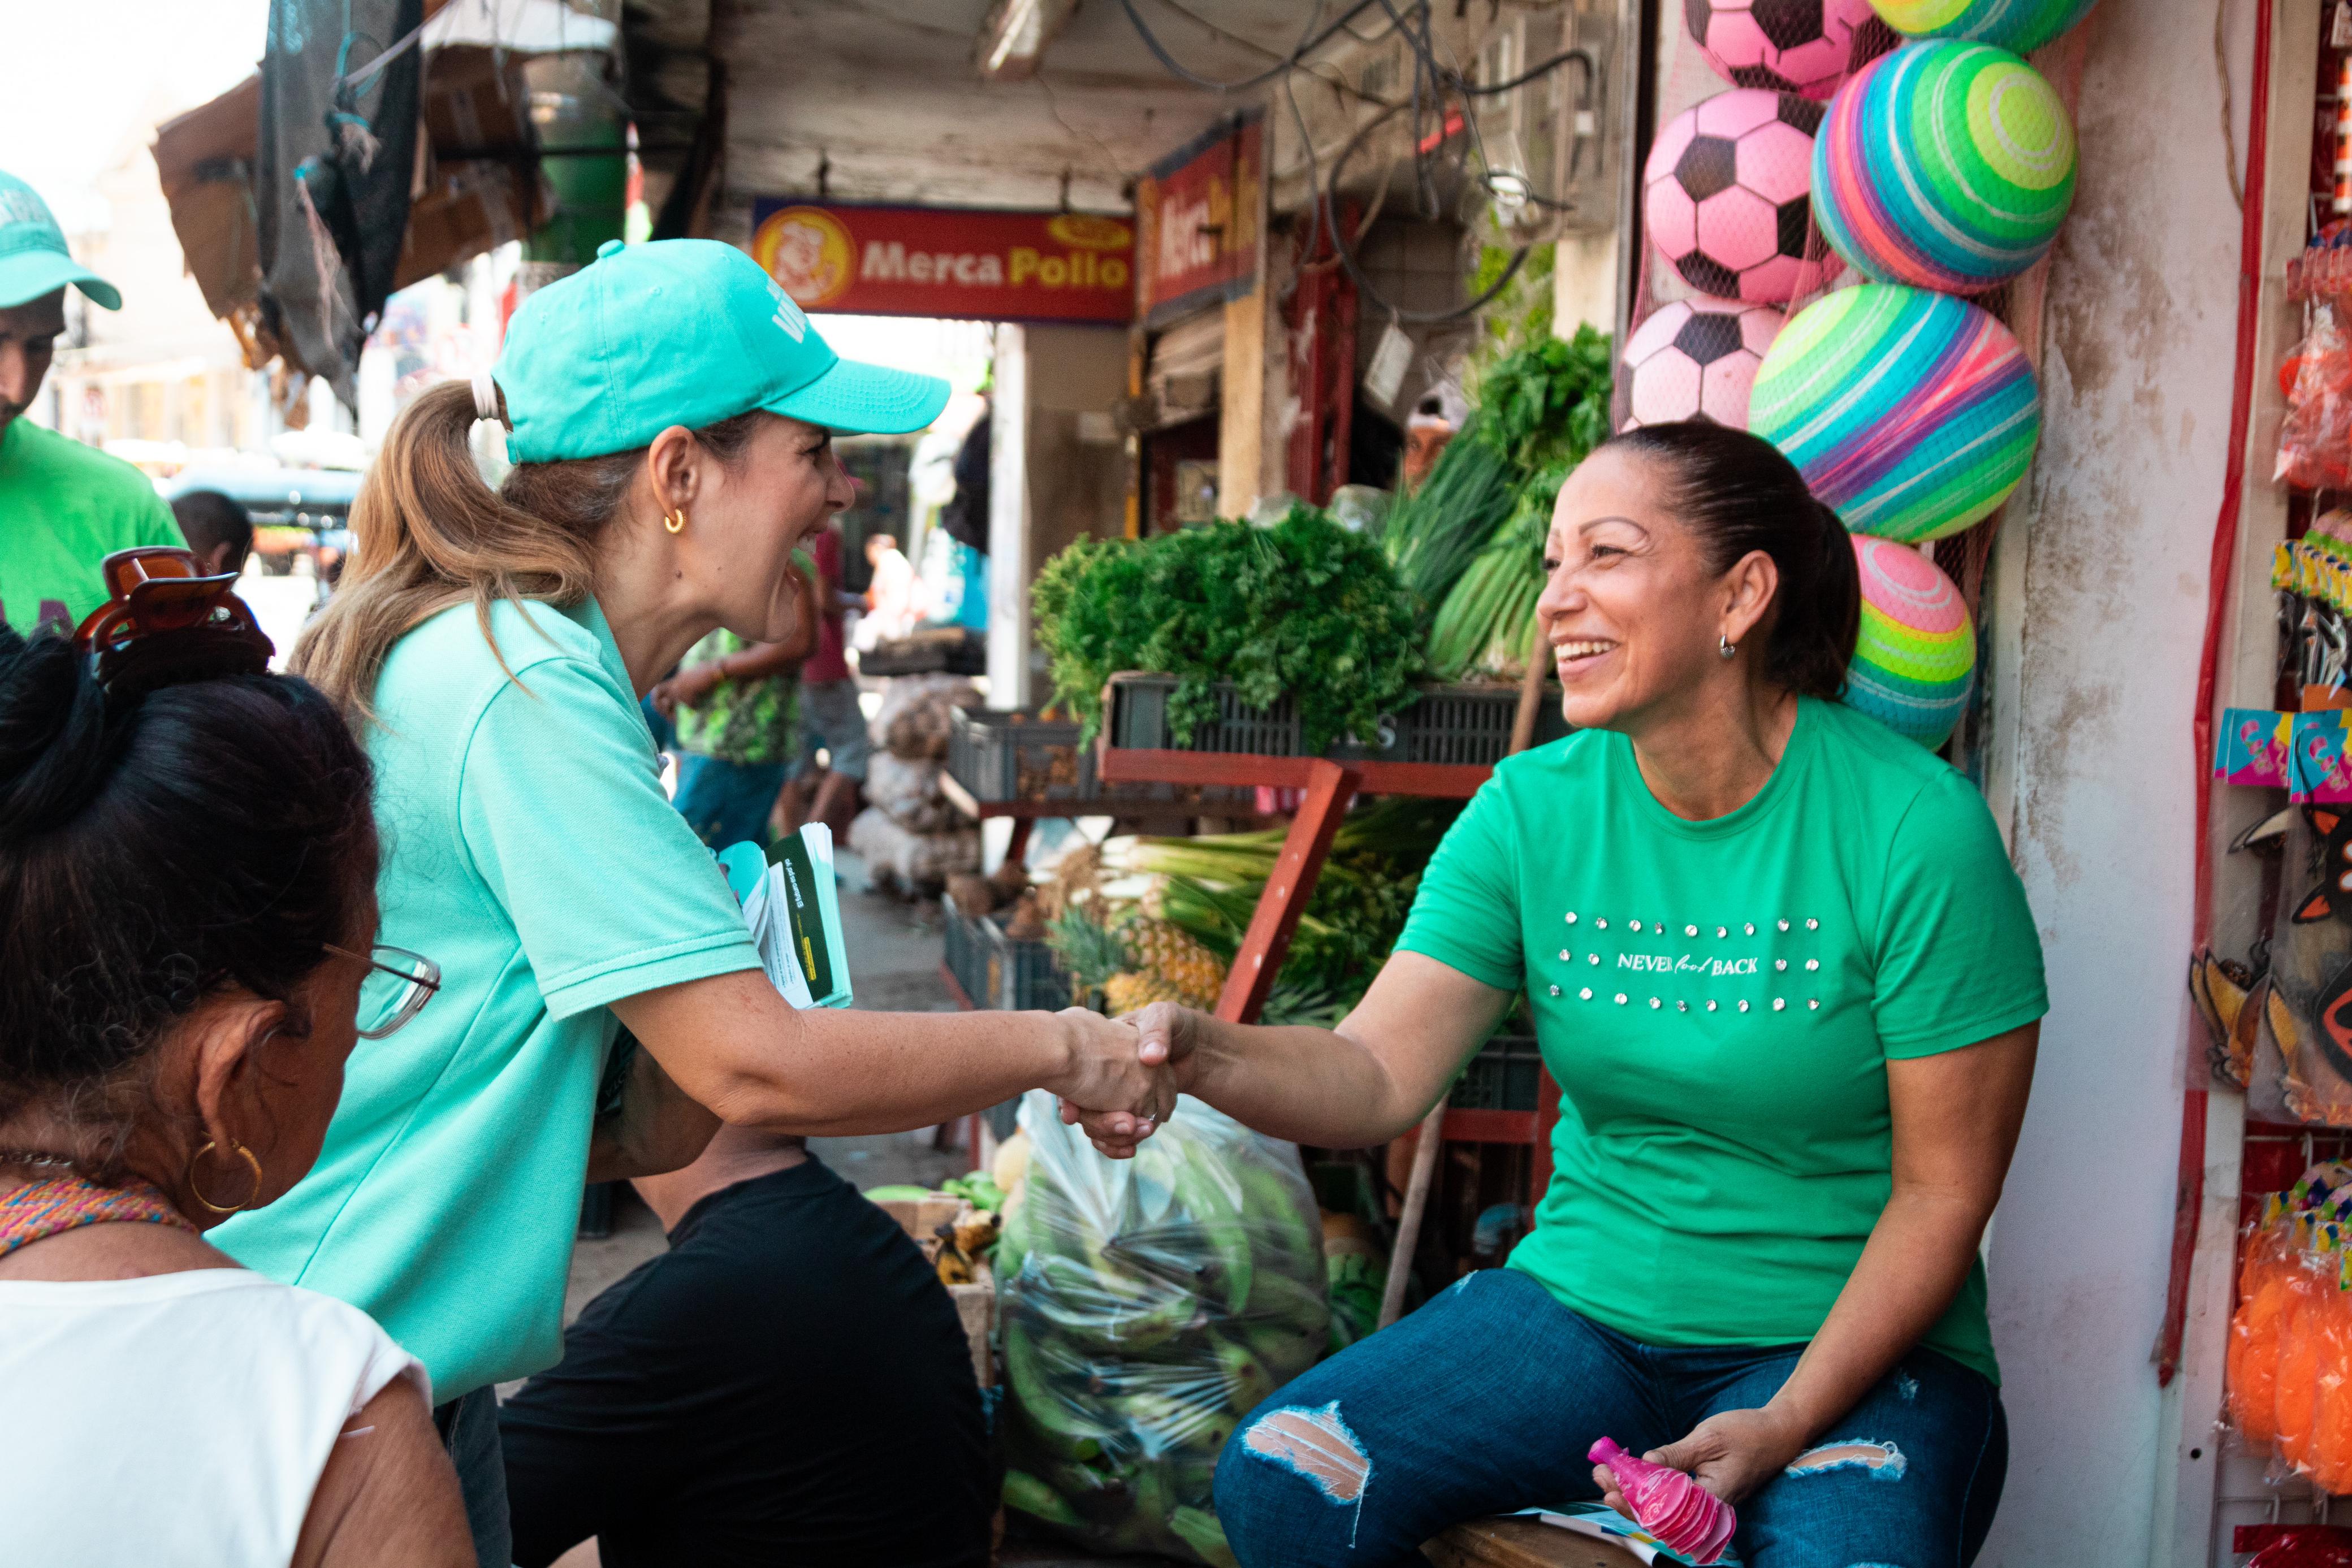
{"type": "Point", "coordinates": [681, 331]}
{"type": "Point", "coordinates": [34, 259]}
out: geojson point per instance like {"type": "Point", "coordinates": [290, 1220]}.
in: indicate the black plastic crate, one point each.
{"type": "Point", "coordinates": [1502, 1077]}
{"type": "Point", "coordinates": [1015, 755]}
{"type": "Point", "coordinates": [1458, 725]}
{"type": "Point", "coordinates": [1470, 726]}
{"type": "Point", "coordinates": [999, 971]}
{"type": "Point", "coordinates": [1003, 755]}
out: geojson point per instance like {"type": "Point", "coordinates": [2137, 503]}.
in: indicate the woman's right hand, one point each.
{"type": "Point", "coordinates": [1105, 1085]}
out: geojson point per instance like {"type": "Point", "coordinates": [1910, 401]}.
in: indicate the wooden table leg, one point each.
{"type": "Point", "coordinates": [1329, 789]}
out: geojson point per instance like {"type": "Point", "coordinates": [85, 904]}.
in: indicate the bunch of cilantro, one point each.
{"type": "Point", "coordinates": [1303, 609]}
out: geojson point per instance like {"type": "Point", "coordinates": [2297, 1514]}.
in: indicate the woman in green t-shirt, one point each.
{"type": "Point", "coordinates": [1787, 980]}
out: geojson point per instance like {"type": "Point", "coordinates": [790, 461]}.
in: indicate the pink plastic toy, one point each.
{"type": "Point", "coordinates": [1671, 1506]}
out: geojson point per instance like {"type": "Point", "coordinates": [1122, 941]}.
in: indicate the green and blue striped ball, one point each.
{"type": "Point", "coordinates": [1911, 414]}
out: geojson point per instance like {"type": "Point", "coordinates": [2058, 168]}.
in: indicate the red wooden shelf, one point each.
{"type": "Point", "coordinates": [1467, 1126]}
{"type": "Point", "coordinates": [1330, 787]}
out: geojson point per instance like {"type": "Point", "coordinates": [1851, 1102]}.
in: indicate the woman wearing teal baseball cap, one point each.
{"type": "Point", "coordinates": [671, 413]}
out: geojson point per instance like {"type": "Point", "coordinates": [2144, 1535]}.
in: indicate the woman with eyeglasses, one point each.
{"type": "Point", "coordinates": [671, 414]}
{"type": "Point", "coordinates": [188, 900]}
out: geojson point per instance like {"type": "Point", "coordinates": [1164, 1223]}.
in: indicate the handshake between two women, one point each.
{"type": "Point", "coordinates": [1125, 1073]}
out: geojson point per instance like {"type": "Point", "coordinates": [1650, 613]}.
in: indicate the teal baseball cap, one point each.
{"type": "Point", "coordinates": [682, 331]}
{"type": "Point", "coordinates": [34, 259]}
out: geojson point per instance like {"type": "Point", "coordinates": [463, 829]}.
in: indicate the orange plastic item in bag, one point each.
{"type": "Point", "coordinates": [2263, 1296]}
{"type": "Point", "coordinates": [2298, 1366]}
{"type": "Point", "coordinates": [2331, 1436]}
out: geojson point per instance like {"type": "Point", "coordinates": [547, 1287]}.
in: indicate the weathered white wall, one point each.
{"type": "Point", "coordinates": [1054, 474]}
{"type": "Point", "coordinates": [2101, 601]}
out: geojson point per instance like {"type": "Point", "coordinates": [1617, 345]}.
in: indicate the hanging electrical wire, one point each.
{"type": "Point", "coordinates": [1308, 41]}
{"type": "Point", "coordinates": [1441, 96]}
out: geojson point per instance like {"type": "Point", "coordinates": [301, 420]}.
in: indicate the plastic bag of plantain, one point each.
{"type": "Point", "coordinates": [1147, 1305]}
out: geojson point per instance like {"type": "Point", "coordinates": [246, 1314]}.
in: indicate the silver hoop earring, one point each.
{"type": "Point", "coordinates": [1725, 646]}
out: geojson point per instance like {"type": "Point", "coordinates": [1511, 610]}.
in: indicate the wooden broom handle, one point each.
{"type": "Point", "coordinates": [1433, 1127]}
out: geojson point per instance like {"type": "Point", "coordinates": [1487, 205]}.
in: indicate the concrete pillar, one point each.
{"type": "Point", "coordinates": [2101, 574]}
{"type": "Point", "coordinates": [1241, 415]}
{"type": "Point", "coordinates": [1009, 567]}
{"type": "Point", "coordinates": [1584, 282]}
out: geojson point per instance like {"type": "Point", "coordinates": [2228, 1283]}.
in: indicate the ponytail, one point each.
{"type": "Point", "coordinates": [1739, 494]}
{"type": "Point", "coordinates": [1815, 652]}
{"type": "Point", "coordinates": [430, 534]}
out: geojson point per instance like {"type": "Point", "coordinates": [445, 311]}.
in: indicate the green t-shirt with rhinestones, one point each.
{"type": "Point", "coordinates": [1718, 1001]}
{"type": "Point", "coordinates": [749, 722]}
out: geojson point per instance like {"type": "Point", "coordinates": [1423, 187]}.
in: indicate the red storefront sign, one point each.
{"type": "Point", "coordinates": [942, 261]}
{"type": "Point", "coordinates": [1199, 219]}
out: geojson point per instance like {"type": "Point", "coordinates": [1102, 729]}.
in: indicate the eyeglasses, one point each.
{"type": "Point", "coordinates": [165, 621]}
{"type": "Point", "coordinates": [398, 985]}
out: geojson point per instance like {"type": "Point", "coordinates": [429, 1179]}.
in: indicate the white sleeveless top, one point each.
{"type": "Point", "coordinates": [176, 1418]}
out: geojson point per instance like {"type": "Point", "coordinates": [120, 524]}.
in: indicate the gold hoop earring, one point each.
{"type": "Point", "coordinates": [197, 1193]}
{"type": "Point", "coordinates": [675, 521]}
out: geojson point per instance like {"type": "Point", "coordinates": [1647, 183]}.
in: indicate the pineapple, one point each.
{"type": "Point", "coordinates": [1090, 952]}
{"type": "Point", "coordinates": [1170, 965]}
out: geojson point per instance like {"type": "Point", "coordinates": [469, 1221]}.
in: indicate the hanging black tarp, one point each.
{"type": "Point", "coordinates": [337, 155]}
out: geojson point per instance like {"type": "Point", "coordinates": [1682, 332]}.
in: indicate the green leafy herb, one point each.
{"type": "Point", "coordinates": [1303, 608]}
{"type": "Point", "coordinates": [1547, 405]}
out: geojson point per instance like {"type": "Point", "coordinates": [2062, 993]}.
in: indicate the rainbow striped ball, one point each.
{"type": "Point", "coordinates": [1916, 656]}
{"type": "Point", "coordinates": [1946, 165]}
{"type": "Point", "coordinates": [2020, 25]}
{"type": "Point", "coordinates": [1913, 414]}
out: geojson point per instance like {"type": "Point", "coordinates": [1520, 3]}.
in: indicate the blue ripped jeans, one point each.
{"type": "Point", "coordinates": [1486, 1400]}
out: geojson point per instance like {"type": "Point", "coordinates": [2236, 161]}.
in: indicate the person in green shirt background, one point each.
{"type": "Point", "coordinates": [736, 707]}
{"type": "Point", "coordinates": [1786, 978]}
{"type": "Point", "coordinates": [64, 506]}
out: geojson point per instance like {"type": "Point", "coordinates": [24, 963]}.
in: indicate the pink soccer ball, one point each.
{"type": "Point", "coordinates": [1782, 46]}
{"type": "Point", "coordinates": [1728, 196]}
{"type": "Point", "coordinates": [1697, 358]}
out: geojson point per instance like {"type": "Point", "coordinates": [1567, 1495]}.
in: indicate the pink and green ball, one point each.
{"type": "Point", "coordinates": [1946, 165]}
{"type": "Point", "coordinates": [2024, 26]}
{"type": "Point", "coordinates": [1916, 657]}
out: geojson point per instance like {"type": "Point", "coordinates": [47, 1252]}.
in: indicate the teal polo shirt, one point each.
{"type": "Point", "coordinates": [529, 851]}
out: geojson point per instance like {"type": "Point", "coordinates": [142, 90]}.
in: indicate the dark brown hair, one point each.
{"type": "Point", "coordinates": [1739, 494]}
{"type": "Point", "coordinates": [208, 837]}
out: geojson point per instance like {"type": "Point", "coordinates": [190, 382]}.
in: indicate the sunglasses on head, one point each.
{"type": "Point", "coordinates": [165, 621]}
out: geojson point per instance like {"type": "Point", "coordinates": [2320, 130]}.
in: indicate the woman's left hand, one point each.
{"type": "Point", "coordinates": [1732, 1454]}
